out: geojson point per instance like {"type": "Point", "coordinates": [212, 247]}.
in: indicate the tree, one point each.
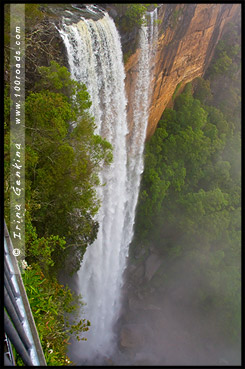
{"type": "Point", "coordinates": [65, 158]}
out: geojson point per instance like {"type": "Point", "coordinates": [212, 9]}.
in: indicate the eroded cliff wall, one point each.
{"type": "Point", "coordinates": [188, 34]}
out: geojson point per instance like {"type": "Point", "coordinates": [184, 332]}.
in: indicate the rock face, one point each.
{"type": "Point", "coordinates": [151, 266]}
{"type": "Point", "coordinates": [188, 34]}
{"type": "Point", "coordinates": [132, 335]}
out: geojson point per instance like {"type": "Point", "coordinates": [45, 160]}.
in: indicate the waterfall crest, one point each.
{"type": "Point", "coordinates": [95, 58]}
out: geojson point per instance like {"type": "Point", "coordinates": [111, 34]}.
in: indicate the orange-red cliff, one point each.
{"type": "Point", "coordinates": [188, 34]}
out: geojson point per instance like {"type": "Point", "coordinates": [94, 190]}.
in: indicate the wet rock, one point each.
{"type": "Point", "coordinates": [141, 252]}
{"type": "Point", "coordinates": [135, 304]}
{"type": "Point", "coordinates": [138, 273]}
{"type": "Point", "coordinates": [153, 307]}
{"type": "Point", "coordinates": [113, 13]}
{"type": "Point", "coordinates": [152, 264]}
{"type": "Point", "coordinates": [108, 361]}
{"type": "Point", "coordinates": [132, 335]}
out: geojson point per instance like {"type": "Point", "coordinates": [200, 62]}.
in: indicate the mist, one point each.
{"type": "Point", "coordinates": [167, 327]}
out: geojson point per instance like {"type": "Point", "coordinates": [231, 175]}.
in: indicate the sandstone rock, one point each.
{"type": "Point", "coordinates": [152, 264]}
{"type": "Point", "coordinates": [132, 335]}
{"type": "Point", "coordinates": [153, 307]}
{"type": "Point", "coordinates": [109, 362]}
{"type": "Point", "coordinates": [138, 273]}
{"type": "Point", "coordinates": [131, 268]}
{"type": "Point", "coordinates": [183, 52]}
{"type": "Point", "coordinates": [141, 252]}
{"type": "Point", "coordinates": [135, 304]}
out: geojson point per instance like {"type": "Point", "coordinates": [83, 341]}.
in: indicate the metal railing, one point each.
{"type": "Point", "coordinates": [19, 326]}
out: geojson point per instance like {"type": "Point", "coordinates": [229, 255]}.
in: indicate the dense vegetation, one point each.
{"type": "Point", "coordinates": [129, 18]}
{"type": "Point", "coordinates": [63, 164]}
{"type": "Point", "coordinates": [131, 15]}
{"type": "Point", "coordinates": [190, 199]}
{"type": "Point", "coordinates": [56, 313]}
{"type": "Point", "coordinates": [63, 158]}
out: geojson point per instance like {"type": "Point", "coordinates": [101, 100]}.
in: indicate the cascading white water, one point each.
{"type": "Point", "coordinates": [142, 94]}
{"type": "Point", "coordinates": [95, 58]}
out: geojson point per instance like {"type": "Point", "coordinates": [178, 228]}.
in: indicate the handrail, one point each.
{"type": "Point", "coordinates": [8, 354]}
{"type": "Point", "coordinates": [19, 324]}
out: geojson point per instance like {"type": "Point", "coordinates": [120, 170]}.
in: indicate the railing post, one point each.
{"type": "Point", "coordinates": [23, 334]}
{"type": "Point", "coordinates": [16, 341]}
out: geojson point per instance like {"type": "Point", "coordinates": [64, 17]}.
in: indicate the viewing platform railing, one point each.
{"type": "Point", "coordinates": [19, 326]}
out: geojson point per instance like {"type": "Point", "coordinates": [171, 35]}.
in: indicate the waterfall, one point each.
{"type": "Point", "coordinates": [141, 101]}
{"type": "Point", "coordinates": [95, 58]}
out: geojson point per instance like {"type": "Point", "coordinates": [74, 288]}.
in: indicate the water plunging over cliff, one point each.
{"type": "Point", "coordinates": [141, 101]}
{"type": "Point", "coordinates": [95, 58]}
